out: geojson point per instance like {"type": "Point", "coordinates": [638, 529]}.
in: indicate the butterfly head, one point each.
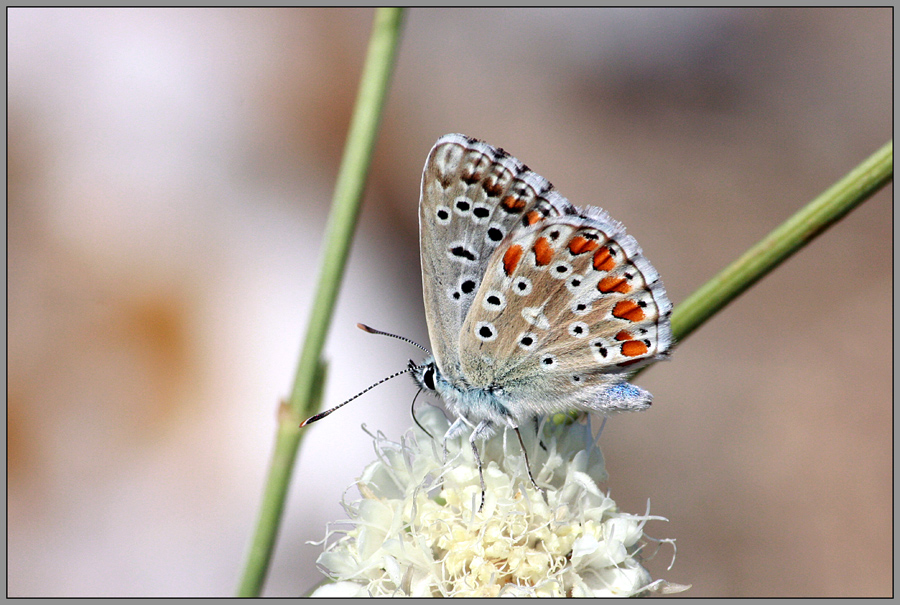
{"type": "Point", "coordinates": [426, 374]}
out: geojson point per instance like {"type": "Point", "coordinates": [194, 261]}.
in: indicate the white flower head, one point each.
{"type": "Point", "coordinates": [417, 530]}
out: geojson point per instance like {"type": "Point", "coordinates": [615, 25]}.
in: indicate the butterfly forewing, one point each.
{"type": "Point", "coordinates": [473, 196]}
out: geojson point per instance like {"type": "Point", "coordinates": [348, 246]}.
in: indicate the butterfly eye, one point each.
{"type": "Point", "coordinates": [428, 378]}
{"type": "Point", "coordinates": [548, 361]}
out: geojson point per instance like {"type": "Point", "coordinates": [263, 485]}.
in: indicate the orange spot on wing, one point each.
{"type": "Point", "coordinates": [580, 245]}
{"type": "Point", "coordinates": [511, 259]}
{"type": "Point", "coordinates": [543, 253]}
{"type": "Point", "coordinates": [614, 283]}
{"type": "Point", "coordinates": [513, 204]}
{"type": "Point", "coordinates": [603, 260]}
{"type": "Point", "coordinates": [533, 217]}
{"type": "Point", "coordinates": [634, 348]}
{"type": "Point", "coordinates": [623, 335]}
{"type": "Point", "coordinates": [629, 310]}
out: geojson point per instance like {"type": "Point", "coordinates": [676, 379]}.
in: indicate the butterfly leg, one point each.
{"type": "Point", "coordinates": [483, 430]}
{"type": "Point", "coordinates": [456, 429]}
{"type": "Point", "coordinates": [527, 464]}
{"type": "Point", "coordinates": [537, 429]}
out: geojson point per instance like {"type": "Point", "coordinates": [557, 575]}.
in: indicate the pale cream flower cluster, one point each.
{"type": "Point", "coordinates": [417, 530]}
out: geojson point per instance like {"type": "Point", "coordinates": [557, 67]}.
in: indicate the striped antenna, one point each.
{"type": "Point", "coordinates": [371, 330]}
{"type": "Point", "coordinates": [412, 366]}
{"type": "Point", "coordinates": [321, 415]}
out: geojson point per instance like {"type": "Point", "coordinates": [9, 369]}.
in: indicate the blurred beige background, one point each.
{"type": "Point", "coordinates": [169, 177]}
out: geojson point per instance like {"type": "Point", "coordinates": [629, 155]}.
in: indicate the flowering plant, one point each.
{"type": "Point", "coordinates": [417, 530]}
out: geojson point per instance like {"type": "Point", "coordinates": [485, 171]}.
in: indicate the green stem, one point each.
{"type": "Point", "coordinates": [828, 208]}
{"type": "Point", "coordinates": [309, 377]}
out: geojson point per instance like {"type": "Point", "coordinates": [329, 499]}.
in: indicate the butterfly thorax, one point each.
{"type": "Point", "coordinates": [471, 402]}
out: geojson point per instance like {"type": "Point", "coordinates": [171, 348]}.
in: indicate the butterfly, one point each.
{"type": "Point", "coordinates": [534, 306]}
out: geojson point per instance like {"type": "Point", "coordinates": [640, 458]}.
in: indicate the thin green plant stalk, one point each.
{"type": "Point", "coordinates": [803, 227]}
{"type": "Point", "coordinates": [309, 378]}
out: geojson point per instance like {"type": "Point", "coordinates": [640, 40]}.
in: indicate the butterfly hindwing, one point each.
{"type": "Point", "coordinates": [566, 309]}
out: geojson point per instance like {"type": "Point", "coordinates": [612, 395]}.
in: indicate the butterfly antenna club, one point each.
{"type": "Point", "coordinates": [372, 330]}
